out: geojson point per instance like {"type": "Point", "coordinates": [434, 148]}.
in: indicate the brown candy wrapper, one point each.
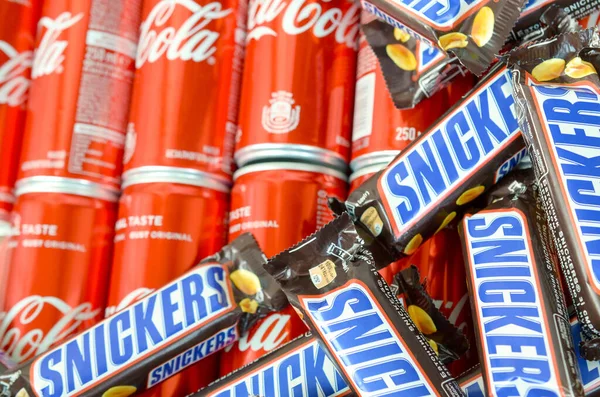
{"type": "Point", "coordinates": [473, 31]}
{"type": "Point", "coordinates": [412, 69]}
{"type": "Point", "coordinates": [332, 282]}
{"type": "Point", "coordinates": [471, 382]}
{"type": "Point", "coordinates": [523, 333]}
{"type": "Point", "coordinates": [5, 363]}
{"type": "Point", "coordinates": [534, 20]}
{"type": "Point", "coordinates": [138, 347]}
{"type": "Point", "coordinates": [447, 339]}
{"type": "Point", "coordinates": [557, 90]}
{"type": "Point", "coordinates": [439, 174]}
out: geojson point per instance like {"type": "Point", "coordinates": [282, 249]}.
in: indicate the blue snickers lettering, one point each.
{"type": "Point", "coordinates": [518, 360]}
{"type": "Point", "coordinates": [571, 116]}
{"type": "Point", "coordinates": [152, 323]}
{"type": "Point", "coordinates": [442, 161]}
{"type": "Point", "coordinates": [304, 371]}
{"type": "Point", "coordinates": [348, 319]}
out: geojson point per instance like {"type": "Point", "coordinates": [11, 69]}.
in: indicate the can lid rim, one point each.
{"type": "Point", "coordinates": [290, 165]}
{"type": "Point", "coordinates": [368, 159]}
{"type": "Point", "coordinates": [57, 184]}
{"type": "Point", "coordinates": [288, 152]}
{"type": "Point", "coordinates": [184, 176]}
{"type": "Point", "coordinates": [369, 169]}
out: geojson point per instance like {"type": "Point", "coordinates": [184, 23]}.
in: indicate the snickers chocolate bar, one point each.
{"type": "Point", "coordinates": [531, 23]}
{"type": "Point", "coordinates": [434, 179]}
{"type": "Point", "coordinates": [412, 69]}
{"type": "Point", "coordinates": [521, 320]}
{"type": "Point", "coordinates": [558, 99]}
{"type": "Point", "coordinates": [162, 334]}
{"type": "Point", "coordinates": [473, 31]}
{"type": "Point", "coordinates": [332, 282]}
{"type": "Point", "coordinates": [472, 383]}
{"type": "Point", "coordinates": [298, 368]}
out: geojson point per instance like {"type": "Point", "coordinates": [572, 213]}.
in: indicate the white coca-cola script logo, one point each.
{"type": "Point", "coordinates": [300, 16]}
{"type": "Point", "coordinates": [50, 53]}
{"type": "Point", "coordinates": [14, 80]}
{"type": "Point", "coordinates": [191, 41]}
{"type": "Point", "coordinates": [21, 346]}
{"type": "Point", "coordinates": [129, 299]}
{"type": "Point", "coordinates": [260, 340]}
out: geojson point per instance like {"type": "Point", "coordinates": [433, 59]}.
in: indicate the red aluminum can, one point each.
{"type": "Point", "coordinates": [360, 176]}
{"type": "Point", "coordinates": [167, 222]}
{"type": "Point", "coordinates": [458, 88]}
{"type": "Point", "coordinates": [267, 335]}
{"type": "Point", "coordinates": [17, 38]}
{"type": "Point", "coordinates": [298, 85]}
{"type": "Point", "coordinates": [59, 263]}
{"type": "Point", "coordinates": [280, 203]}
{"type": "Point", "coordinates": [82, 76]}
{"type": "Point", "coordinates": [187, 80]}
{"type": "Point", "coordinates": [379, 128]}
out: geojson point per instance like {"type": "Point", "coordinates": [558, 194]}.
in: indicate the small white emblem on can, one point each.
{"type": "Point", "coordinates": [281, 116]}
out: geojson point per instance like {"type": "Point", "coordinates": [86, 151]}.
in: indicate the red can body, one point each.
{"type": "Point", "coordinates": [379, 128]}
{"type": "Point", "coordinates": [186, 92]}
{"type": "Point", "coordinates": [298, 85]}
{"type": "Point", "coordinates": [17, 39]}
{"type": "Point", "coordinates": [457, 88]}
{"type": "Point", "coordinates": [165, 227]}
{"type": "Point", "coordinates": [81, 87]}
{"type": "Point", "coordinates": [58, 266]}
{"type": "Point", "coordinates": [280, 204]}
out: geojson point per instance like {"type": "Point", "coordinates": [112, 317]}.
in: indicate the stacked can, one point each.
{"type": "Point", "coordinates": [17, 40]}
{"type": "Point", "coordinates": [178, 159]}
{"type": "Point", "coordinates": [68, 179]}
{"type": "Point", "coordinates": [293, 141]}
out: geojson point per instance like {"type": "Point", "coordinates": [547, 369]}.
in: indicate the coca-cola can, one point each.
{"type": "Point", "coordinates": [17, 39]}
{"type": "Point", "coordinates": [358, 177]}
{"type": "Point", "coordinates": [58, 263]}
{"type": "Point", "coordinates": [186, 91]}
{"type": "Point", "coordinates": [82, 77]}
{"type": "Point", "coordinates": [280, 203]}
{"type": "Point", "coordinates": [379, 128]}
{"type": "Point", "coordinates": [298, 85]}
{"type": "Point", "coordinates": [167, 222]}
